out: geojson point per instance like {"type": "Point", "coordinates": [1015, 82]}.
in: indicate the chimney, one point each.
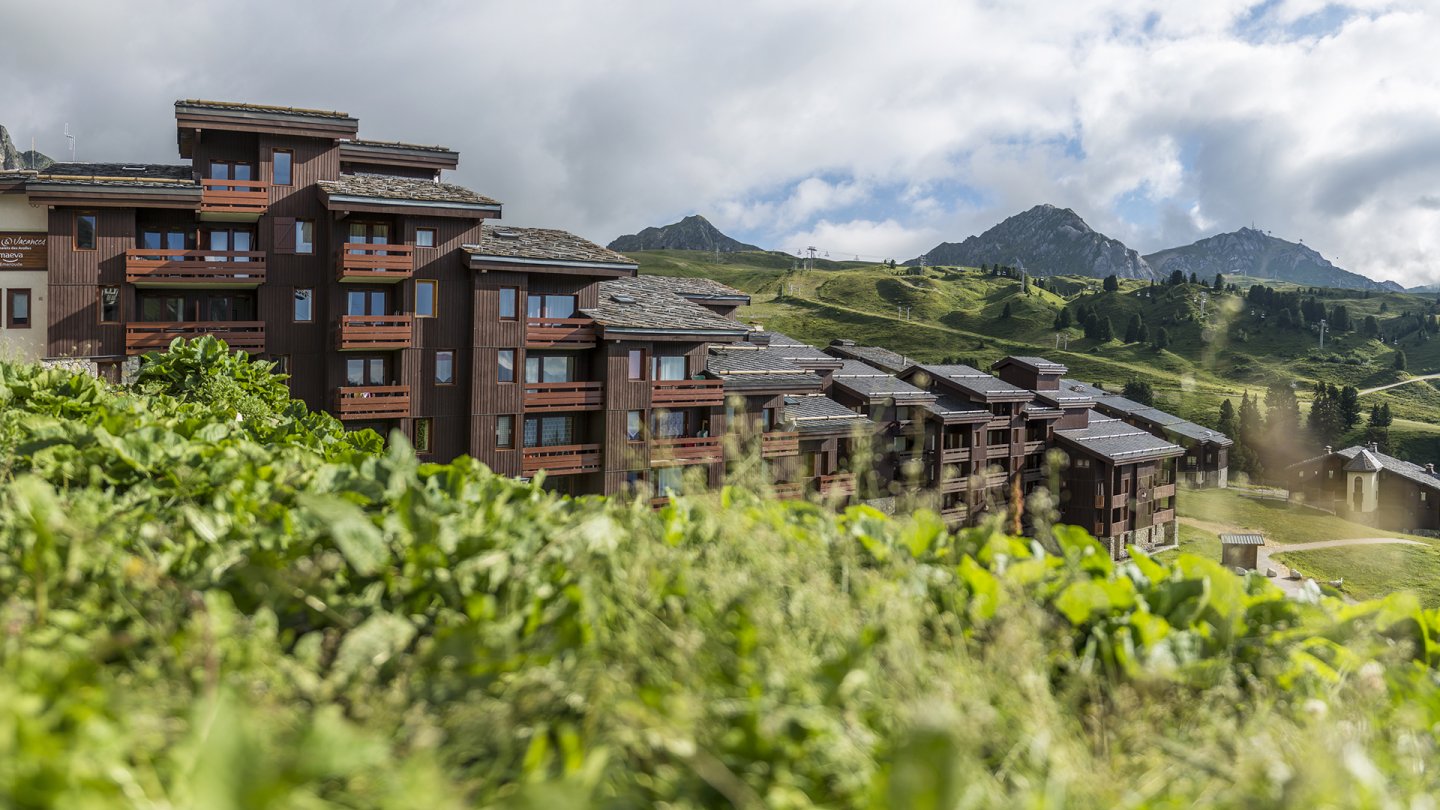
{"type": "Point", "coordinates": [1430, 468]}
{"type": "Point", "coordinates": [1374, 447]}
{"type": "Point", "coordinates": [1328, 451]}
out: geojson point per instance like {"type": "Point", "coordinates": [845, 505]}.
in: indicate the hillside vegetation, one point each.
{"type": "Point", "coordinates": [216, 599]}
{"type": "Point", "coordinates": [1231, 349]}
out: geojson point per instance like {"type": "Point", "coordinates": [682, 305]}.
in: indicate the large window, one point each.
{"type": "Point", "coordinates": [423, 439]}
{"type": "Point", "coordinates": [549, 431]}
{"type": "Point", "coordinates": [162, 307]}
{"type": "Point", "coordinates": [304, 305]}
{"type": "Point", "coordinates": [304, 236]}
{"type": "Point", "coordinates": [635, 364]}
{"type": "Point", "coordinates": [668, 480]}
{"type": "Point", "coordinates": [667, 368]}
{"type": "Point", "coordinates": [229, 239]}
{"type": "Point", "coordinates": [509, 301]}
{"type": "Point", "coordinates": [281, 163]}
{"type": "Point", "coordinates": [635, 426]}
{"type": "Point", "coordinates": [367, 302]}
{"type": "Point", "coordinates": [426, 297]}
{"type": "Point", "coordinates": [86, 229]}
{"type": "Point", "coordinates": [505, 365]}
{"type": "Point", "coordinates": [668, 424]}
{"type": "Point", "coordinates": [109, 305]}
{"type": "Point", "coordinates": [165, 238]}
{"type": "Point", "coordinates": [505, 432]}
{"type": "Point", "coordinates": [550, 306]}
{"type": "Point", "coordinates": [17, 309]}
{"type": "Point", "coordinates": [231, 170]}
{"type": "Point", "coordinates": [445, 368]}
{"type": "Point", "coordinates": [366, 371]}
{"type": "Point", "coordinates": [552, 368]}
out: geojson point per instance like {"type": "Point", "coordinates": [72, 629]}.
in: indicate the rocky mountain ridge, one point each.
{"type": "Point", "coordinates": [691, 233]}
{"type": "Point", "coordinates": [12, 158]}
{"type": "Point", "coordinates": [1254, 253]}
{"type": "Point", "coordinates": [1045, 241]}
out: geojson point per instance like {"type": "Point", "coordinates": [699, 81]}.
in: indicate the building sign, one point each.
{"type": "Point", "coordinates": [22, 251]}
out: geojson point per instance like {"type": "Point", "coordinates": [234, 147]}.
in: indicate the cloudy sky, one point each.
{"type": "Point", "coordinates": [876, 129]}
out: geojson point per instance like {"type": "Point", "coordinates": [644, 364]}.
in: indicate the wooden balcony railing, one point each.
{"type": "Point", "coordinates": [194, 268]}
{"type": "Point", "coordinates": [384, 264]}
{"type": "Point", "coordinates": [789, 491]}
{"type": "Point", "coordinates": [997, 451]}
{"type": "Point", "coordinates": [247, 336]}
{"type": "Point", "coordinates": [951, 482]}
{"type": "Point", "coordinates": [1162, 491]}
{"type": "Point", "coordinates": [373, 402]}
{"type": "Point", "coordinates": [1163, 516]}
{"type": "Point", "coordinates": [993, 480]}
{"type": "Point", "coordinates": [234, 199]}
{"type": "Point", "coordinates": [838, 485]}
{"type": "Point", "coordinates": [669, 452]}
{"type": "Point", "coordinates": [687, 393]}
{"type": "Point", "coordinates": [559, 333]}
{"type": "Point", "coordinates": [777, 444]}
{"type": "Point", "coordinates": [955, 455]}
{"type": "Point", "coordinates": [564, 396]}
{"type": "Point", "coordinates": [1034, 447]}
{"type": "Point", "coordinates": [568, 459]}
{"type": "Point", "coordinates": [375, 332]}
{"type": "Point", "coordinates": [955, 514]}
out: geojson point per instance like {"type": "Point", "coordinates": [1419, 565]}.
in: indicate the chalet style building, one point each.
{"type": "Point", "coordinates": [1367, 486]}
{"type": "Point", "coordinates": [1206, 461]}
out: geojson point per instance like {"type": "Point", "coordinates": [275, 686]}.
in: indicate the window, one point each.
{"type": "Point", "coordinates": [635, 361]}
{"type": "Point", "coordinates": [304, 305]}
{"type": "Point", "coordinates": [365, 371]}
{"type": "Point", "coordinates": [549, 368]}
{"type": "Point", "coordinates": [997, 437]}
{"type": "Point", "coordinates": [505, 365]}
{"type": "Point", "coordinates": [549, 306]}
{"type": "Point", "coordinates": [282, 363]}
{"type": "Point", "coordinates": [166, 238]}
{"type": "Point", "coordinates": [86, 229]}
{"type": "Point", "coordinates": [509, 300]}
{"type": "Point", "coordinates": [668, 424]}
{"type": "Point", "coordinates": [281, 161]}
{"type": "Point", "coordinates": [667, 368]}
{"type": "Point", "coordinates": [425, 237]}
{"type": "Point", "coordinates": [1424, 496]}
{"type": "Point", "coordinates": [505, 432]}
{"type": "Point", "coordinates": [668, 480]}
{"type": "Point", "coordinates": [159, 308]}
{"type": "Point", "coordinates": [1082, 463]}
{"type": "Point", "coordinates": [17, 309]}
{"type": "Point", "coordinates": [367, 302]}
{"type": "Point", "coordinates": [549, 431]}
{"type": "Point", "coordinates": [422, 436]}
{"type": "Point", "coordinates": [425, 298]}
{"type": "Point", "coordinates": [109, 305]}
{"type": "Point", "coordinates": [304, 236]}
{"type": "Point", "coordinates": [635, 426]}
{"type": "Point", "coordinates": [902, 413]}
{"type": "Point", "coordinates": [445, 368]}
{"type": "Point", "coordinates": [767, 419]}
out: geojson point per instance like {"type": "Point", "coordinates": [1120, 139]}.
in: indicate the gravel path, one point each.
{"type": "Point", "coordinates": [1365, 391]}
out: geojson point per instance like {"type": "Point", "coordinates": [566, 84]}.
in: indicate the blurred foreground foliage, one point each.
{"type": "Point", "coordinates": [199, 610]}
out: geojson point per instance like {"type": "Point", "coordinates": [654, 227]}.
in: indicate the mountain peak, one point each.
{"type": "Point", "coordinates": [1255, 253]}
{"type": "Point", "coordinates": [691, 233]}
{"type": "Point", "coordinates": [1047, 241]}
{"type": "Point", "coordinates": [11, 158]}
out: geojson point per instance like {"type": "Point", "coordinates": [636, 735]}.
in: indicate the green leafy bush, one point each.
{"type": "Point", "coordinates": [205, 612]}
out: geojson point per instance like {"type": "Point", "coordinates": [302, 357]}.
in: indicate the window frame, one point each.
{"type": "Point", "coordinates": [434, 237]}
{"type": "Point", "coordinates": [451, 354]}
{"type": "Point", "coordinates": [508, 418]}
{"type": "Point", "coordinates": [10, 295]}
{"type": "Point", "coordinates": [289, 169]}
{"type": "Point", "coordinates": [295, 302]}
{"type": "Point", "coordinates": [499, 353]}
{"type": "Point", "coordinates": [434, 286]}
{"type": "Point", "coordinates": [94, 231]}
{"type": "Point", "coordinates": [100, 305]}
{"type": "Point", "coordinates": [639, 437]}
{"type": "Point", "coordinates": [300, 244]}
{"type": "Point", "coordinates": [514, 304]}
{"type": "Point", "coordinates": [429, 424]}
{"type": "Point", "coordinates": [630, 356]}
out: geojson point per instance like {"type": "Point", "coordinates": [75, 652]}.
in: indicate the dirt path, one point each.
{"type": "Point", "coordinates": [1365, 391]}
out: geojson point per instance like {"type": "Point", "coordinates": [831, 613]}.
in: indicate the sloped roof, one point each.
{"type": "Point", "coordinates": [406, 189]}
{"type": "Point", "coordinates": [850, 367]}
{"type": "Point", "coordinates": [542, 244]}
{"type": "Point", "coordinates": [1039, 364]}
{"type": "Point", "coordinates": [1390, 464]}
{"type": "Point", "coordinates": [697, 288]}
{"type": "Point", "coordinates": [822, 415]}
{"type": "Point", "coordinates": [1364, 461]}
{"type": "Point", "coordinates": [974, 381]}
{"type": "Point", "coordinates": [1170, 424]}
{"type": "Point", "coordinates": [637, 304]}
{"type": "Point", "coordinates": [1117, 441]}
{"type": "Point", "coordinates": [874, 355]}
{"type": "Point", "coordinates": [416, 147]}
{"type": "Point", "coordinates": [883, 386]}
{"type": "Point", "coordinates": [1242, 539]}
{"type": "Point", "coordinates": [265, 109]}
{"type": "Point", "coordinates": [953, 408]}
{"type": "Point", "coordinates": [163, 175]}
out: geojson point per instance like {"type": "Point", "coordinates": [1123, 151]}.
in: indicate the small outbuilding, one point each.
{"type": "Point", "coordinates": [1241, 550]}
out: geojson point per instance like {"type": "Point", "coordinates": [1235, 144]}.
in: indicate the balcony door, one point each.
{"type": "Point", "coordinates": [368, 233]}
{"type": "Point", "coordinates": [374, 370]}
{"type": "Point", "coordinates": [164, 306]}
{"type": "Point", "coordinates": [549, 431]}
{"type": "Point", "coordinates": [231, 170]}
{"type": "Point", "coordinates": [549, 306]}
{"type": "Point", "coordinates": [165, 238]}
{"type": "Point", "coordinates": [228, 239]}
{"type": "Point", "coordinates": [553, 368]}
{"type": "Point", "coordinates": [368, 302]}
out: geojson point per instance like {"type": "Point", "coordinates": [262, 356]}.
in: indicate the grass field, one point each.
{"type": "Point", "coordinates": [1370, 571]}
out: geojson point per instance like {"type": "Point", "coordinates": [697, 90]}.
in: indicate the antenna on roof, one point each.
{"type": "Point", "coordinates": [71, 139]}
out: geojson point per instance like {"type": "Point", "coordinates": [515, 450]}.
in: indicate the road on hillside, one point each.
{"type": "Point", "coordinates": [1365, 391]}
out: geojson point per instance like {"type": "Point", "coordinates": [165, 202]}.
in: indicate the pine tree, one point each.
{"type": "Point", "coordinates": [1140, 391]}
{"type": "Point", "coordinates": [1219, 282]}
{"type": "Point", "coordinates": [1349, 406]}
{"type": "Point", "coordinates": [1005, 313]}
{"type": "Point", "coordinates": [1177, 278]}
{"type": "Point", "coordinates": [1144, 334]}
{"type": "Point", "coordinates": [1105, 331]}
{"type": "Point", "coordinates": [1282, 423]}
{"type": "Point", "coordinates": [1227, 419]}
{"type": "Point", "coordinates": [1162, 338]}
{"type": "Point", "coordinates": [1132, 329]}
{"type": "Point", "coordinates": [1111, 283]}
{"type": "Point", "coordinates": [1399, 361]}
{"type": "Point", "coordinates": [1372, 327]}
{"type": "Point", "coordinates": [1194, 278]}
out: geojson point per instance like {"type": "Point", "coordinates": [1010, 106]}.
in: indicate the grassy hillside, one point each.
{"type": "Point", "coordinates": [957, 312]}
{"type": "Point", "coordinates": [268, 612]}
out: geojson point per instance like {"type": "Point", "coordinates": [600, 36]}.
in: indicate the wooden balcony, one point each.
{"type": "Point", "coordinates": [950, 482]}
{"type": "Point", "coordinates": [1163, 516]}
{"type": "Point", "coordinates": [564, 396]}
{"type": "Point", "coordinates": [955, 515]}
{"type": "Point", "coordinates": [375, 332]}
{"type": "Point", "coordinates": [670, 452]}
{"type": "Point", "coordinates": [687, 393]}
{"type": "Point", "coordinates": [559, 333]}
{"type": "Point", "coordinates": [246, 336]}
{"type": "Point", "coordinates": [789, 491]}
{"type": "Point", "coordinates": [233, 200]}
{"type": "Point", "coordinates": [839, 485]}
{"type": "Point", "coordinates": [375, 264]}
{"type": "Point", "coordinates": [1163, 491]}
{"type": "Point", "coordinates": [568, 459]}
{"type": "Point", "coordinates": [196, 269]}
{"type": "Point", "coordinates": [778, 444]}
{"type": "Point", "coordinates": [955, 455]}
{"type": "Point", "coordinates": [373, 402]}
{"type": "Point", "coordinates": [1034, 447]}
{"type": "Point", "coordinates": [994, 480]}
{"type": "Point", "coordinates": [997, 451]}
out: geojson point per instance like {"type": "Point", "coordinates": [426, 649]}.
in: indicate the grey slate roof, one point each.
{"type": "Point", "coordinates": [383, 187]}
{"type": "Point", "coordinates": [1063, 398]}
{"type": "Point", "coordinates": [948, 407]}
{"type": "Point", "coordinates": [1157, 416]}
{"type": "Point", "coordinates": [973, 380]}
{"type": "Point", "coordinates": [1364, 461]}
{"type": "Point", "coordinates": [1404, 469]}
{"type": "Point", "coordinates": [1171, 424]}
{"type": "Point", "coordinates": [700, 288]}
{"type": "Point", "coordinates": [778, 339]}
{"type": "Point", "coordinates": [542, 244]}
{"type": "Point", "coordinates": [730, 360]}
{"type": "Point", "coordinates": [1199, 433]}
{"type": "Point", "coordinates": [166, 175]}
{"type": "Point", "coordinates": [883, 386]}
{"type": "Point", "coordinates": [1242, 539]}
{"type": "Point", "coordinates": [818, 414]}
{"type": "Point", "coordinates": [1117, 441]}
{"type": "Point", "coordinates": [855, 368]}
{"type": "Point", "coordinates": [1042, 411]}
{"type": "Point", "coordinates": [264, 109]}
{"type": "Point", "coordinates": [398, 145]}
{"type": "Point", "coordinates": [1037, 363]}
{"type": "Point", "coordinates": [875, 356]}
{"type": "Point", "coordinates": [655, 308]}
{"type": "Point", "coordinates": [783, 383]}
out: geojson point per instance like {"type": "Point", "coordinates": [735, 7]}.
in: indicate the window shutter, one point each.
{"type": "Point", "coordinates": [284, 235]}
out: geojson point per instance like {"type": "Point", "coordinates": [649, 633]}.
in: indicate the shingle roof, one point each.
{"type": "Point", "coordinates": [1364, 461]}
{"type": "Point", "coordinates": [884, 386]}
{"type": "Point", "coordinates": [166, 175]}
{"type": "Point", "coordinates": [728, 360]}
{"type": "Point", "coordinates": [1063, 398]}
{"type": "Point", "coordinates": [855, 368]}
{"type": "Point", "coordinates": [1199, 433]}
{"type": "Point", "coordinates": [973, 380]}
{"type": "Point", "coordinates": [637, 304]}
{"type": "Point", "coordinates": [818, 414]}
{"type": "Point", "coordinates": [778, 339]}
{"type": "Point", "coordinates": [1242, 539]}
{"type": "Point", "coordinates": [1115, 440]}
{"type": "Point", "coordinates": [1169, 423]}
{"type": "Point", "coordinates": [948, 407]}
{"type": "Point", "coordinates": [1041, 411]}
{"type": "Point", "coordinates": [1404, 469]}
{"type": "Point", "coordinates": [506, 242]}
{"type": "Point", "coordinates": [875, 356]}
{"type": "Point", "coordinates": [700, 288]}
{"type": "Point", "coordinates": [1039, 364]}
{"type": "Point", "coordinates": [382, 187]}
{"type": "Point", "coordinates": [241, 106]}
{"type": "Point", "coordinates": [783, 383]}
{"type": "Point", "coordinates": [397, 145]}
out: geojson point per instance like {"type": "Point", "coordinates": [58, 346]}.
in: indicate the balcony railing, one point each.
{"type": "Point", "coordinates": [1033, 447]}
{"type": "Point", "coordinates": [950, 482]}
{"type": "Point", "coordinates": [1163, 516]}
{"type": "Point", "coordinates": [838, 485]}
{"type": "Point", "coordinates": [669, 452]}
{"type": "Point", "coordinates": [233, 199]}
{"type": "Point", "coordinates": [375, 332]}
{"type": "Point", "coordinates": [779, 444]}
{"type": "Point", "coordinates": [687, 393]}
{"type": "Point", "coordinates": [1163, 491]}
{"type": "Point", "coordinates": [955, 514]}
{"type": "Point", "coordinates": [789, 491]}
{"type": "Point", "coordinates": [993, 480]}
{"type": "Point", "coordinates": [997, 451]}
{"type": "Point", "coordinates": [194, 268]}
{"type": "Point", "coordinates": [384, 264]}
{"type": "Point", "coordinates": [373, 402]}
{"type": "Point", "coordinates": [247, 336]}
{"type": "Point", "coordinates": [559, 333]}
{"type": "Point", "coordinates": [564, 396]}
{"type": "Point", "coordinates": [568, 459]}
{"type": "Point", "coordinates": [955, 455]}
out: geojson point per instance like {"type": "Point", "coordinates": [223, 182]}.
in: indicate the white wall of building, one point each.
{"type": "Point", "coordinates": [16, 214]}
